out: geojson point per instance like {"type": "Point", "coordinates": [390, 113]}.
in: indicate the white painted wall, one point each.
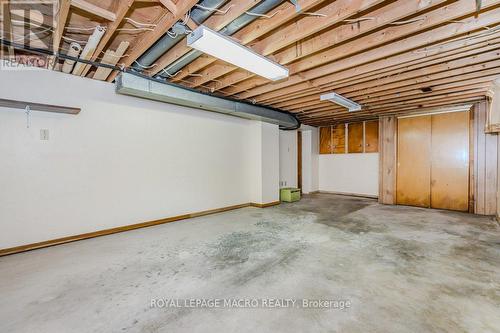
{"type": "Point", "coordinates": [310, 157]}
{"type": "Point", "coordinates": [288, 158]}
{"type": "Point", "coordinates": [349, 173]}
{"type": "Point", "coordinates": [315, 159]}
{"type": "Point", "coordinates": [264, 162]}
{"type": "Point", "coordinates": [310, 154]}
{"type": "Point", "coordinates": [121, 161]}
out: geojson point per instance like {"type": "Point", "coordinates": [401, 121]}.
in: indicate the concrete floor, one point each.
{"type": "Point", "coordinates": [401, 269]}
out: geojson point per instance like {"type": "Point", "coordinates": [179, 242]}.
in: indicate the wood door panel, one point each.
{"type": "Point", "coordinates": [338, 139]}
{"type": "Point", "coordinates": [355, 138]}
{"type": "Point", "coordinates": [371, 136]}
{"type": "Point", "coordinates": [325, 140]}
{"type": "Point", "coordinates": [450, 161]}
{"type": "Point", "coordinates": [414, 162]}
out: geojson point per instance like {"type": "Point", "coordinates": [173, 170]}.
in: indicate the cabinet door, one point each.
{"type": "Point", "coordinates": [338, 139]}
{"type": "Point", "coordinates": [325, 140]}
{"type": "Point", "coordinates": [371, 136]}
{"type": "Point", "coordinates": [450, 161]}
{"type": "Point", "coordinates": [355, 140]}
{"type": "Point", "coordinates": [414, 162]}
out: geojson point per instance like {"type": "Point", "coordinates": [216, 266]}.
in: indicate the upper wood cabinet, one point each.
{"type": "Point", "coordinates": [325, 140]}
{"type": "Point", "coordinates": [355, 140]}
{"type": "Point", "coordinates": [338, 139]}
{"type": "Point", "coordinates": [361, 138]}
{"type": "Point", "coordinates": [371, 136]}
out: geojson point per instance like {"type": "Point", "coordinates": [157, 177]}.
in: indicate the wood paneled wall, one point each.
{"type": "Point", "coordinates": [483, 169]}
{"type": "Point", "coordinates": [387, 160]}
{"type": "Point", "coordinates": [485, 166]}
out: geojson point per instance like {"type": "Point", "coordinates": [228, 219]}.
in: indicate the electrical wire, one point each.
{"type": "Point", "coordinates": [213, 9]}
{"type": "Point", "coordinates": [139, 24]}
{"type": "Point", "coordinates": [262, 15]}
{"type": "Point", "coordinates": [145, 67]}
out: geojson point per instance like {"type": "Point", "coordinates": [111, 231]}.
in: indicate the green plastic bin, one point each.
{"type": "Point", "coordinates": [290, 194]}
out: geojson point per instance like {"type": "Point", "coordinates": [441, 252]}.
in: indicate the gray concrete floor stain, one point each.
{"type": "Point", "coordinates": [404, 269]}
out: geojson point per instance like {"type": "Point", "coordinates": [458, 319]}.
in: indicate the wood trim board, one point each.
{"type": "Point", "coordinates": [74, 238]}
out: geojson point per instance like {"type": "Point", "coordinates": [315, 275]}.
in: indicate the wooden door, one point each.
{"type": "Point", "coordinates": [450, 161]}
{"type": "Point", "coordinates": [413, 175]}
{"type": "Point", "coordinates": [355, 138]}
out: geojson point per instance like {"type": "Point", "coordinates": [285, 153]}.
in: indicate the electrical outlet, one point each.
{"type": "Point", "coordinates": [44, 134]}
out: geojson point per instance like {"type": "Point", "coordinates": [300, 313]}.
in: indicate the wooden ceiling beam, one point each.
{"type": "Point", "coordinates": [7, 26]}
{"type": "Point", "coordinates": [412, 109]}
{"type": "Point", "coordinates": [441, 33]}
{"type": "Point", "coordinates": [423, 76]}
{"type": "Point", "coordinates": [376, 19]}
{"type": "Point", "coordinates": [143, 42]}
{"type": "Point", "coordinates": [466, 51]}
{"type": "Point", "coordinates": [123, 8]}
{"type": "Point", "coordinates": [301, 30]}
{"type": "Point", "coordinates": [62, 17]}
{"type": "Point", "coordinates": [483, 76]}
{"type": "Point", "coordinates": [172, 7]}
{"type": "Point", "coordinates": [392, 66]}
{"type": "Point", "coordinates": [253, 31]}
{"type": "Point", "coordinates": [93, 9]}
{"type": "Point", "coordinates": [390, 34]}
{"type": "Point", "coordinates": [482, 83]}
{"type": "Point", "coordinates": [419, 100]}
{"type": "Point", "coordinates": [351, 117]}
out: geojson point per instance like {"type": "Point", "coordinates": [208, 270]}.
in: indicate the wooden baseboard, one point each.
{"type": "Point", "coordinates": [264, 205]}
{"type": "Point", "coordinates": [69, 239]}
{"type": "Point", "coordinates": [351, 194]}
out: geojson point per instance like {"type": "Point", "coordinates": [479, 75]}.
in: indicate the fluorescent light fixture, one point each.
{"type": "Point", "coordinates": [224, 48]}
{"type": "Point", "coordinates": [341, 100]}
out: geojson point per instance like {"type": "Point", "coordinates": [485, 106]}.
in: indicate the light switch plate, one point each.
{"type": "Point", "coordinates": [44, 134]}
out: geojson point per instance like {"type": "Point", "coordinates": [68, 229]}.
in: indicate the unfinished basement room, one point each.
{"type": "Point", "coordinates": [249, 166]}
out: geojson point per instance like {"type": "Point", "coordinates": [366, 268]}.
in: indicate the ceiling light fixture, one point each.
{"type": "Point", "coordinates": [341, 100]}
{"type": "Point", "coordinates": [224, 48]}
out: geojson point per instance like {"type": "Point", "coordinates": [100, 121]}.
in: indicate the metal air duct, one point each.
{"type": "Point", "coordinates": [134, 85]}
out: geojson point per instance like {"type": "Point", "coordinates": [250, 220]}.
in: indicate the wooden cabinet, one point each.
{"type": "Point", "coordinates": [371, 136]}
{"type": "Point", "coordinates": [361, 138]}
{"type": "Point", "coordinates": [355, 138]}
{"type": "Point", "coordinates": [338, 139]}
{"type": "Point", "coordinates": [414, 161]}
{"type": "Point", "coordinates": [450, 161]}
{"type": "Point", "coordinates": [325, 140]}
{"type": "Point", "coordinates": [433, 161]}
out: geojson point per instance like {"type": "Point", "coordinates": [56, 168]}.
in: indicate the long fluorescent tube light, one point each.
{"type": "Point", "coordinates": [224, 48]}
{"type": "Point", "coordinates": [341, 100]}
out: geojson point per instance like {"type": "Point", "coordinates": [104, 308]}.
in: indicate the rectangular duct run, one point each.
{"type": "Point", "coordinates": [133, 85]}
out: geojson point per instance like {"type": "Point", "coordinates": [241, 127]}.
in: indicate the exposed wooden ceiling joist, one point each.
{"type": "Point", "coordinates": [93, 9]}
{"type": "Point", "coordinates": [251, 32]}
{"type": "Point", "coordinates": [146, 40]}
{"type": "Point", "coordinates": [391, 56]}
{"type": "Point", "coordinates": [427, 37]}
